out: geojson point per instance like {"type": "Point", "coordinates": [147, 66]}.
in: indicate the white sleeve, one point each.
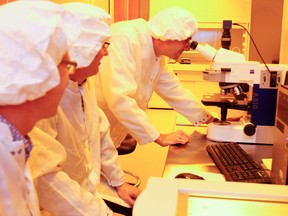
{"type": "Point", "coordinates": [60, 195]}
{"type": "Point", "coordinates": [183, 101]}
{"type": "Point", "coordinates": [110, 164]}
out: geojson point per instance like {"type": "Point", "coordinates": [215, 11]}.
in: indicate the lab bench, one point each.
{"type": "Point", "coordinates": [195, 158]}
{"type": "Point", "coordinates": [174, 197]}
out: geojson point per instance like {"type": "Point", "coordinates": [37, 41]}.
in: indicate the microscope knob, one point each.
{"type": "Point", "coordinates": [249, 129]}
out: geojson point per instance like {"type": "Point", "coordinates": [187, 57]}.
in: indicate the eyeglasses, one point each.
{"type": "Point", "coordinates": [71, 66]}
{"type": "Point", "coordinates": [106, 45]}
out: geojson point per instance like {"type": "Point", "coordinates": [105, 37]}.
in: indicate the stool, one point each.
{"type": "Point", "coordinates": [127, 146]}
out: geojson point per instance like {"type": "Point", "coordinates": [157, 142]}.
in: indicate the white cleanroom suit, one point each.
{"type": "Point", "coordinates": [83, 130]}
{"type": "Point", "coordinates": [128, 77]}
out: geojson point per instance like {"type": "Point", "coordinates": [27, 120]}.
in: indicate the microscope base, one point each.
{"type": "Point", "coordinates": [233, 132]}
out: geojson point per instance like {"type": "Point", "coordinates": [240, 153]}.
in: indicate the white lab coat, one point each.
{"type": "Point", "coordinates": [129, 75]}
{"type": "Point", "coordinates": [89, 150]}
{"type": "Point", "coordinates": [17, 194]}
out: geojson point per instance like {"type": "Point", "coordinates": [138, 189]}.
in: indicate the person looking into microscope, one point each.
{"type": "Point", "coordinates": [135, 68]}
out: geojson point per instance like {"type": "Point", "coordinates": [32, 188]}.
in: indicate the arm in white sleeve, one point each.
{"type": "Point", "coordinates": [110, 164]}
{"type": "Point", "coordinates": [60, 195]}
{"type": "Point", "coordinates": [183, 101]}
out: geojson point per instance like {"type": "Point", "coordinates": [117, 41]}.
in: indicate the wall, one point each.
{"type": "Point", "coordinates": [210, 15]}
{"type": "Point", "coordinates": [130, 9]}
{"type": "Point", "coordinates": [5, 1]}
{"type": "Point", "coordinates": [265, 28]}
{"type": "Point", "coordinates": [266, 23]}
{"type": "Point", "coordinates": [284, 35]}
{"type": "Point", "coordinates": [209, 10]}
{"type": "Point", "coordinates": [105, 4]}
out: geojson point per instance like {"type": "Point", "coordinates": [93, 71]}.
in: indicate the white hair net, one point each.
{"type": "Point", "coordinates": [34, 36]}
{"type": "Point", "coordinates": [173, 23]}
{"type": "Point", "coordinates": [95, 30]}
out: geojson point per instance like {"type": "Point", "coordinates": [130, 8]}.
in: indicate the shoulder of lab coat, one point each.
{"type": "Point", "coordinates": [120, 73]}
{"type": "Point", "coordinates": [47, 155]}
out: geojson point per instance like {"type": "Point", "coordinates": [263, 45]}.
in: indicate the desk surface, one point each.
{"type": "Point", "coordinates": [162, 195]}
{"type": "Point", "coordinates": [195, 157]}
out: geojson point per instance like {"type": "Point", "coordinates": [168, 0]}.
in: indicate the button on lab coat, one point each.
{"type": "Point", "coordinates": [70, 187]}
{"type": "Point", "coordinates": [129, 75]}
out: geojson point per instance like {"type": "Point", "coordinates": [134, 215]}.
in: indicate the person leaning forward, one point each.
{"type": "Point", "coordinates": [135, 68]}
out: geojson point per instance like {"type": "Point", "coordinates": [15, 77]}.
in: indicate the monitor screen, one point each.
{"type": "Point", "coordinates": [204, 205]}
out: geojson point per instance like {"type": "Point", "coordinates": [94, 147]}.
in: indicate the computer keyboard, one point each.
{"type": "Point", "coordinates": [235, 164]}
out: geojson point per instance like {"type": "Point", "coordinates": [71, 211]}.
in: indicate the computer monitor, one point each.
{"type": "Point", "coordinates": [184, 197]}
{"type": "Point", "coordinates": [279, 171]}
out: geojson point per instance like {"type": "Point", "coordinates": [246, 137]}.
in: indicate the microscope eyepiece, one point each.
{"type": "Point", "coordinates": [207, 51]}
{"type": "Point", "coordinates": [193, 45]}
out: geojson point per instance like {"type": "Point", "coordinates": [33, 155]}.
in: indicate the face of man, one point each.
{"type": "Point", "coordinates": [83, 73]}
{"type": "Point", "coordinates": [174, 48]}
{"type": "Point", "coordinates": [51, 99]}
{"type": "Point", "coordinates": [94, 66]}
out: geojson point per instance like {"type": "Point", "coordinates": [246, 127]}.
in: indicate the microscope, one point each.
{"type": "Point", "coordinates": [244, 85]}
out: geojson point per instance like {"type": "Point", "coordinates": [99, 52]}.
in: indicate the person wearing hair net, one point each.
{"type": "Point", "coordinates": [83, 130]}
{"type": "Point", "coordinates": [135, 68]}
{"type": "Point", "coordinates": [35, 67]}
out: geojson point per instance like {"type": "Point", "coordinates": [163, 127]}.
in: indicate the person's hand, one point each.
{"type": "Point", "coordinates": [246, 118]}
{"type": "Point", "coordinates": [212, 119]}
{"type": "Point", "coordinates": [234, 118]}
{"type": "Point", "coordinates": [177, 137]}
{"type": "Point", "coordinates": [128, 193]}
